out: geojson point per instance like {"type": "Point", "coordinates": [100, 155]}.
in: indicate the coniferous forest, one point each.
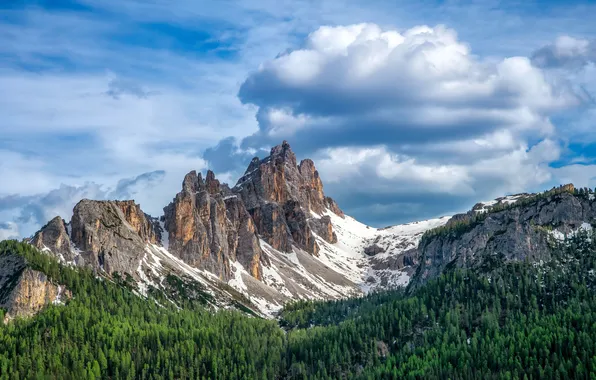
{"type": "Point", "coordinates": [517, 321]}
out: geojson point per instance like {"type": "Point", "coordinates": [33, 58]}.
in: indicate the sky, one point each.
{"type": "Point", "coordinates": [410, 110]}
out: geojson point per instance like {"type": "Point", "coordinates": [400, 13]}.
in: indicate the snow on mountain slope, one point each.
{"type": "Point", "coordinates": [394, 253]}
{"type": "Point", "coordinates": [340, 270]}
{"type": "Point", "coordinates": [403, 237]}
{"type": "Point", "coordinates": [484, 206]}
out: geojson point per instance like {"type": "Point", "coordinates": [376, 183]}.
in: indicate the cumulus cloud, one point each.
{"type": "Point", "coordinates": [384, 171]}
{"type": "Point", "coordinates": [393, 116]}
{"type": "Point", "coordinates": [573, 61]}
{"type": "Point", "coordinates": [567, 52]}
{"type": "Point", "coordinates": [360, 84]}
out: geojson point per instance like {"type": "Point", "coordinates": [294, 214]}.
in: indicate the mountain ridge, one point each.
{"type": "Point", "coordinates": [274, 237]}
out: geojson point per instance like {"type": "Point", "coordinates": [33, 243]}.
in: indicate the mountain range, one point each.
{"type": "Point", "coordinates": [276, 237]}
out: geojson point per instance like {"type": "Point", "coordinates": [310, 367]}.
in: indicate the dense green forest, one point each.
{"type": "Point", "coordinates": [520, 320]}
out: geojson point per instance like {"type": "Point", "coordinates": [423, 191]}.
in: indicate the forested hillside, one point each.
{"type": "Point", "coordinates": [516, 320]}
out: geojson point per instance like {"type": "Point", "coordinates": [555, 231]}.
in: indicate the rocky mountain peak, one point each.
{"type": "Point", "coordinates": [212, 184]}
{"type": "Point", "coordinates": [282, 197]}
{"type": "Point", "coordinates": [209, 230]}
{"type": "Point", "coordinates": [111, 235]}
{"type": "Point", "coordinates": [54, 237]}
{"type": "Point", "coordinates": [191, 182]}
{"type": "Point", "coordinates": [208, 227]}
{"type": "Point", "coordinates": [283, 152]}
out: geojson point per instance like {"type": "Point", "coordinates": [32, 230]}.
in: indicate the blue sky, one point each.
{"type": "Point", "coordinates": [410, 109]}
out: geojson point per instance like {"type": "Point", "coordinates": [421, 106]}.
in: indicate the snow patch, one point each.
{"type": "Point", "coordinates": [510, 199]}
{"type": "Point", "coordinates": [237, 282]}
{"type": "Point", "coordinates": [560, 236]}
{"type": "Point", "coordinates": [165, 235]}
{"type": "Point", "coordinates": [267, 308]}
{"type": "Point", "coordinates": [58, 300]}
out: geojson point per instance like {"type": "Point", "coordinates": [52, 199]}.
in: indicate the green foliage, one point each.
{"type": "Point", "coordinates": [517, 321]}
{"type": "Point", "coordinates": [106, 331]}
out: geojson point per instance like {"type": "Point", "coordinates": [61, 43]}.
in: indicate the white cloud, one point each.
{"type": "Point", "coordinates": [363, 79]}
{"type": "Point", "coordinates": [378, 170]}
{"type": "Point", "coordinates": [102, 106]}
{"type": "Point", "coordinates": [410, 111]}
{"type": "Point", "coordinates": [377, 164]}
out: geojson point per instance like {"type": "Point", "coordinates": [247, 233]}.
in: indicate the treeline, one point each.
{"type": "Point", "coordinates": [107, 332]}
{"type": "Point", "coordinates": [520, 321]}
{"type": "Point", "coordinates": [467, 222]}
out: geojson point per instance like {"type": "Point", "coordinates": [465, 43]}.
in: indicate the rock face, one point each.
{"type": "Point", "coordinates": [54, 237]}
{"type": "Point", "coordinates": [140, 222]}
{"type": "Point", "coordinates": [518, 233]}
{"type": "Point", "coordinates": [209, 229]}
{"type": "Point", "coordinates": [332, 205]}
{"type": "Point", "coordinates": [324, 228]}
{"type": "Point", "coordinates": [374, 249]}
{"type": "Point", "coordinates": [281, 196]}
{"type": "Point", "coordinates": [110, 235]}
{"type": "Point", "coordinates": [243, 240]}
{"type": "Point", "coordinates": [241, 236]}
{"type": "Point", "coordinates": [23, 291]}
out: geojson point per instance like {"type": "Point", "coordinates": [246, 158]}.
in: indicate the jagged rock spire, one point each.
{"type": "Point", "coordinates": [209, 230]}
{"type": "Point", "coordinates": [280, 195]}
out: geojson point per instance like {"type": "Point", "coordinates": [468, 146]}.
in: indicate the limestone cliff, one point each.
{"type": "Point", "coordinates": [282, 197]}
{"type": "Point", "coordinates": [54, 237]}
{"type": "Point", "coordinates": [23, 291]}
{"type": "Point", "coordinates": [110, 235]}
{"type": "Point", "coordinates": [140, 222]}
{"type": "Point", "coordinates": [240, 235]}
{"type": "Point", "coordinates": [519, 231]}
{"type": "Point", "coordinates": [209, 229]}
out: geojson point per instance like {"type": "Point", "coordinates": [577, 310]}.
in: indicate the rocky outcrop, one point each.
{"type": "Point", "coordinates": [297, 222]}
{"type": "Point", "coordinates": [372, 250]}
{"type": "Point", "coordinates": [23, 291]}
{"type": "Point", "coordinates": [243, 240]}
{"type": "Point", "coordinates": [311, 189]}
{"type": "Point", "coordinates": [110, 235]}
{"type": "Point", "coordinates": [145, 226]}
{"type": "Point", "coordinates": [54, 237]}
{"type": "Point", "coordinates": [281, 196]}
{"type": "Point", "coordinates": [278, 205]}
{"type": "Point", "coordinates": [209, 230]}
{"type": "Point", "coordinates": [332, 205]}
{"type": "Point", "coordinates": [524, 232]}
{"type": "Point", "coordinates": [324, 228]}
